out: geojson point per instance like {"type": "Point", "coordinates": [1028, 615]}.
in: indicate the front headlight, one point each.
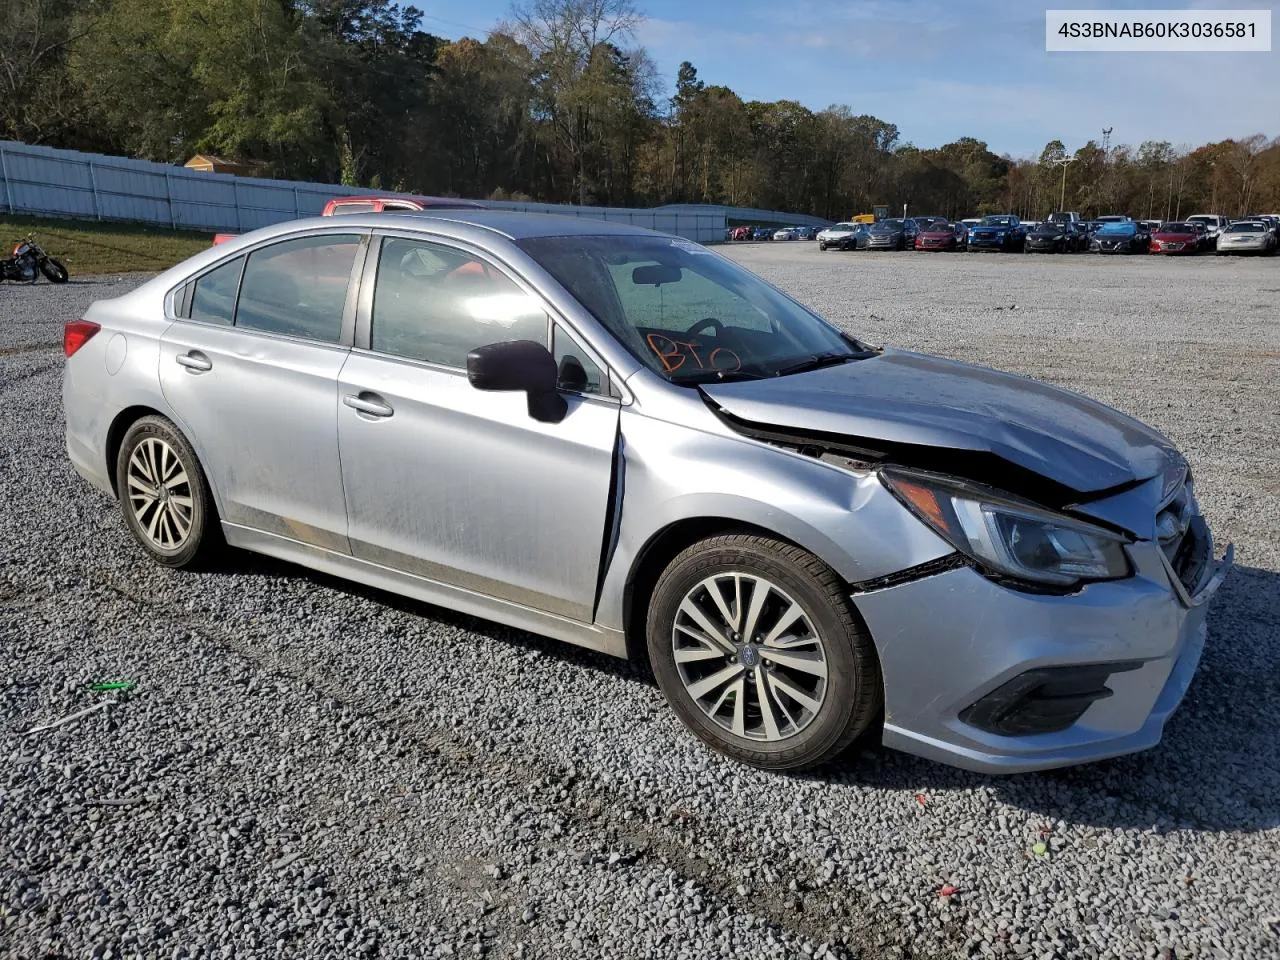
{"type": "Point", "coordinates": [1008, 536]}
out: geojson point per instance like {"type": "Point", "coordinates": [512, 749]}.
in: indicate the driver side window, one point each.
{"type": "Point", "coordinates": [437, 303]}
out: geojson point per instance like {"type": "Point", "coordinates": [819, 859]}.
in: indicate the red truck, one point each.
{"type": "Point", "coordinates": [373, 203]}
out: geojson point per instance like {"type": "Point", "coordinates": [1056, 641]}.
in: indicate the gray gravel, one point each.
{"type": "Point", "coordinates": [308, 768]}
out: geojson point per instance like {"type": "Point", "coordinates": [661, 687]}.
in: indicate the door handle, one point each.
{"type": "Point", "coordinates": [369, 404]}
{"type": "Point", "coordinates": [194, 361]}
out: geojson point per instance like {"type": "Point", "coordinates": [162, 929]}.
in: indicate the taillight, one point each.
{"type": "Point", "coordinates": [76, 333]}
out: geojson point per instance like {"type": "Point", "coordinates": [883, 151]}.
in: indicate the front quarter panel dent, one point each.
{"type": "Point", "coordinates": [675, 474]}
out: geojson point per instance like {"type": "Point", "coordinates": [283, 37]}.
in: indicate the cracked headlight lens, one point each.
{"type": "Point", "coordinates": [1008, 536]}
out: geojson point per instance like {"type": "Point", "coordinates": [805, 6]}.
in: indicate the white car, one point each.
{"type": "Point", "coordinates": [787, 233]}
{"type": "Point", "coordinates": [1247, 236]}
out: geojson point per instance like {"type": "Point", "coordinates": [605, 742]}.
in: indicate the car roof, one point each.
{"type": "Point", "coordinates": [508, 223]}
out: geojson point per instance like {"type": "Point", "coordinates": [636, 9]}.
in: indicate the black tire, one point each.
{"type": "Point", "coordinates": [54, 270]}
{"type": "Point", "coordinates": [853, 693]}
{"type": "Point", "coordinates": [203, 537]}
{"type": "Point", "coordinates": [822, 247]}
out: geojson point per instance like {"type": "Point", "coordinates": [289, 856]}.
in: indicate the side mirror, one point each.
{"type": "Point", "coordinates": [520, 365]}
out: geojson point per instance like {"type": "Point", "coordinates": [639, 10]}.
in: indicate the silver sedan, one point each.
{"type": "Point", "coordinates": [1247, 236]}
{"type": "Point", "coordinates": [622, 440]}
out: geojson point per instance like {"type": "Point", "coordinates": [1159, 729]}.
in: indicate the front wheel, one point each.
{"type": "Point", "coordinates": [822, 246]}
{"type": "Point", "coordinates": [757, 649]}
{"type": "Point", "coordinates": [54, 270]}
{"type": "Point", "coordinates": [164, 494]}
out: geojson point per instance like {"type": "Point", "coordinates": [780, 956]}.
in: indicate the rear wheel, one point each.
{"type": "Point", "coordinates": [758, 650]}
{"type": "Point", "coordinates": [164, 494]}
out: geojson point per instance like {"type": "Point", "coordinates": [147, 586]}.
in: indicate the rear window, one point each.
{"type": "Point", "coordinates": [214, 297]}
{"type": "Point", "coordinates": [299, 287]}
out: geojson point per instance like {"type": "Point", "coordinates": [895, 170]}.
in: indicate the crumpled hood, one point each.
{"type": "Point", "coordinates": [904, 398]}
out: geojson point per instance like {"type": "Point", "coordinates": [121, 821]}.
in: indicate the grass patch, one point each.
{"type": "Point", "coordinates": [88, 247]}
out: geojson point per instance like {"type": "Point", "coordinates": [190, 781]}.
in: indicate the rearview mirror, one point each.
{"type": "Point", "coordinates": [655, 274]}
{"type": "Point", "coordinates": [520, 365]}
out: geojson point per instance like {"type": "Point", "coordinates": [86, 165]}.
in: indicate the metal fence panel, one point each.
{"type": "Point", "coordinates": [68, 183]}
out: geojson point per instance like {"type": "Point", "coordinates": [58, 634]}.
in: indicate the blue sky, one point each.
{"type": "Point", "coordinates": [942, 69]}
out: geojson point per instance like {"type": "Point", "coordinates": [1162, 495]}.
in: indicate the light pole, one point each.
{"type": "Point", "coordinates": [1062, 196]}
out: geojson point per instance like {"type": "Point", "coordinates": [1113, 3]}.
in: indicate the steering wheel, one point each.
{"type": "Point", "coordinates": [707, 322]}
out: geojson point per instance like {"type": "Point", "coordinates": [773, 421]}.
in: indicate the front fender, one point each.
{"type": "Point", "coordinates": [671, 473]}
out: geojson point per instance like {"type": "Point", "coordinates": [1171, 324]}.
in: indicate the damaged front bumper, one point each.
{"type": "Point", "coordinates": [989, 678]}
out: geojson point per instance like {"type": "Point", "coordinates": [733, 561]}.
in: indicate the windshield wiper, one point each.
{"type": "Point", "coordinates": [817, 361]}
{"type": "Point", "coordinates": [717, 376]}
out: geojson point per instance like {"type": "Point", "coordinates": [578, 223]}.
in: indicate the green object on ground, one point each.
{"type": "Point", "coordinates": [112, 685]}
{"type": "Point", "coordinates": [1040, 850]}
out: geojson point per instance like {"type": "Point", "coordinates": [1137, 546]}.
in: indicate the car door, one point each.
{"type": "Point", "coordinates": [251, 370]}
{"type": "Point", "coordinates": [457, 485]}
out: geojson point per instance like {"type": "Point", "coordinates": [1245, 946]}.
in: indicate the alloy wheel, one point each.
{"type": "Point", "coordinates": [748, 655]}
{"type": "Point", "coordinates": [160, 494]}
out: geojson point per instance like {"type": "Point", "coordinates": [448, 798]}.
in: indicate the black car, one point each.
{"type": "Point", "coordinates": [1121, 236]}
{"type": "Point", "coordinates": [1055, 237]}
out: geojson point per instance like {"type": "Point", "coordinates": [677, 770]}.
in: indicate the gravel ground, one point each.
{"type": "Point", "coordinates": [308, 768]}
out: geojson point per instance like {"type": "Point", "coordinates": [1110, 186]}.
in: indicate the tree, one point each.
{"type": "Point", "coordinates": [481, 96]}
{"type": "Point", "coordinates": [226, 76]}
{"type": "Point", "coordinates": [37, 103]}
{"type": "Point", "coordinates": [563, 38]}
{"type": "Point", "coordinates": [1240, 162]}
{"type": "Point", "coordinates": [375, 66]}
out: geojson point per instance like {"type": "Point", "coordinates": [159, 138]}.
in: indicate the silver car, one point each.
{"type": "Point", "coordinates": [623, 440]}
{"type": "Point", "coordinates": [1247, 236]}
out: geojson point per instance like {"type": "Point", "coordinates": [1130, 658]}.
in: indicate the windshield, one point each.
{"type": "Point", "coordinates": [1246, 228]}
{"type": "Point", "coordinates": [1175, 228]}
{"type": "Point", "coordinates": [1112, 229]}
{"type": "Point", "coordinates": [891, 224]}
{"type": "Point", "coordinates": [996, 222]}
{"type": "Point", "coordinates": [685, 312]}
{"type": "Point", "coordinates": [842, 228]}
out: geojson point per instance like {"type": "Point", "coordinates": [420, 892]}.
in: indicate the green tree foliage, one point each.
{"type": "Point", "coordinates": [559, 104]}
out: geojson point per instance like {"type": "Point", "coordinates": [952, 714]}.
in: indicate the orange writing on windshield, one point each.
{"type": "Point", "coordinates": [674, 354]}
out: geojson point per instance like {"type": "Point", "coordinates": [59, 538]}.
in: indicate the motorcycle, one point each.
{"type": "Point", "coordinates": [29, 261]}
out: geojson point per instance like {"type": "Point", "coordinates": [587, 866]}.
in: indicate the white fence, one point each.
{"type": "Point", "coordinates": [750, 215]}
{"type": "Point", "coordinates": [90, 186]}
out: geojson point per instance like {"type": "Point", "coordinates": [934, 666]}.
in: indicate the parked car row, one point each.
{"type": "Point", "coordinates": [771, 233]}
{"type": "Point", "coordinates": [1060, 233]}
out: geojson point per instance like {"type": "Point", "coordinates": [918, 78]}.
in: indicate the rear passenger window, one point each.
{"type": "Point", "coordinates": [298, 287]}
{"type": "Point", "coordinates": [214, 298]}
{"type": "Point", "coordinates": [437, 303]}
